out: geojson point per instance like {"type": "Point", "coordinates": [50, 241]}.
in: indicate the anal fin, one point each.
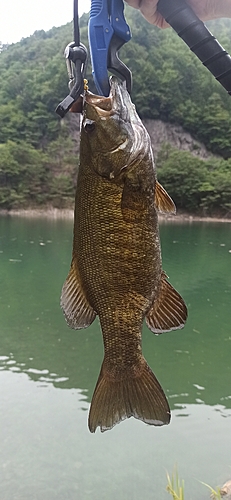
{"type": "Point", "coordinates": [168, 311]}
{"type": "Point", "coordinates": [163, 201]}
{"type": "Point", "coordinates": [76, 308]}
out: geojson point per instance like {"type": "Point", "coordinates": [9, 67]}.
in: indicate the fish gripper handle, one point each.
{"type": "Point", "coordinates": [199, 39]}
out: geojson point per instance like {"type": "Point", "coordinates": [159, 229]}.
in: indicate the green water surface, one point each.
{"type": "Point", "coordinates": [48, 373]}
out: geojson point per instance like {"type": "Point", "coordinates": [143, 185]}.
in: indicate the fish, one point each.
{"type": "Point", "coordinates": [116, 271]}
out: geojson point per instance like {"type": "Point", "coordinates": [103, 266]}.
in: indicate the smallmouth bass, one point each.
{"type": "Point", "coordinates": [116, 272]}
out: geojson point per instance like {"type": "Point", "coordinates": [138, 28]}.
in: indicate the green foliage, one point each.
{"type": "Point", "coordinates": [175, 487]}
{"type": "Point", "coordinates": [38, 162]}
{"type": "Point", "coordinates": [215, 494]}
{"type": "Point", "coordinates": [38, 156]}
{"type": "Point", "coordinates": [22, 173]}
{"type": "Point", "coordinates": [33, 80]}
{"type": "Point", "coordinates": [196, 185]}
{"type": "Point", "coordinates": [27, 176]}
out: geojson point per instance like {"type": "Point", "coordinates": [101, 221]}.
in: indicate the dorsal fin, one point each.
{"type": "Point", "coordinates": [168, 311]}
{"type": "Point", "coordinates": [163, 201]}
{"type": "Point", "coordinates": [76, 308]}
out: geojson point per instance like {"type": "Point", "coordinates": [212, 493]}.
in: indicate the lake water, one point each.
{"type": "Point", "coordinates": [48, 373]}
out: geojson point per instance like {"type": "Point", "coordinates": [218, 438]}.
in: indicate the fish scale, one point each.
{"type": "Point", "coordinates": [111, 265]}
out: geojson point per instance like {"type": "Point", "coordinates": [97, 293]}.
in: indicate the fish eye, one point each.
{"type": "Point", "coordinates": [89, 126]}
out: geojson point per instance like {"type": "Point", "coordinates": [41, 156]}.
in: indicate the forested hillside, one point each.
{"type": "Point", "coordinates": [38, 156]}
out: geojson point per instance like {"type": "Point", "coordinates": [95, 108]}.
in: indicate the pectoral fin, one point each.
{"type": "Point", "coordinates": [76, 308]}
{"type": "Point", "coordinates": [163, 201]}
{"type": "Point", "coordinates": [168, 311]}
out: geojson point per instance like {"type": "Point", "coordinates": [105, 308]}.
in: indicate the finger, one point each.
{"type": "Point", "coordinates": [150, 12]}
{"type": "Point", "coordinates": [155, 18]}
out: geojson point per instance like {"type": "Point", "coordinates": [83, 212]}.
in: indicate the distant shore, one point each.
{"type": "Point", "coordinates": [57, 213]}
{"type": "Point", "coordinates": [49, 213]}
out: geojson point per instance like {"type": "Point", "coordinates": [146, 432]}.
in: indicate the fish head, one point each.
{"type": "Point", "coordinates": [112, 133]}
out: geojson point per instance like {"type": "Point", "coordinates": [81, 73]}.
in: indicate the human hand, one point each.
{"type": "Point", "coordinates": [204, 9]}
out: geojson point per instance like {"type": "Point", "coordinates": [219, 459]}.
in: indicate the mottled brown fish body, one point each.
{"type": "Point", "coordinates": [116, 268]}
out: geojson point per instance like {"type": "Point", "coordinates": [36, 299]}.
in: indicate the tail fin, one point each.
{"type": "Point", "coordinates": [139, 395]}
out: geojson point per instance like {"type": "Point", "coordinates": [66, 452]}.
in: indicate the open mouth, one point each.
{"type": "Point", "coordinates": [107, 106]}
{"type": "Point", "coordinates": [117, 103]}
{"type": "Point", "coordinates": [103, 104]}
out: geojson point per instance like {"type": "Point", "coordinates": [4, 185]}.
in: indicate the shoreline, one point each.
{"type": "Point", "coordinates": [59, 213]}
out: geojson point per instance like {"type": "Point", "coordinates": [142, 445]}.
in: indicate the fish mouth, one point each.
{"type": "Point", "coordinates": [118, 102]}
{"type": "Point", "coordinates": [102, 104]}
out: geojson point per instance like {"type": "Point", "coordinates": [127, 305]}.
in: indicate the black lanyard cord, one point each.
{"type": "Point", "coordinates": [76, 24]}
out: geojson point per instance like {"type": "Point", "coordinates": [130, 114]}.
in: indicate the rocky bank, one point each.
{"type": "Point", "coordinates": [160, 133]}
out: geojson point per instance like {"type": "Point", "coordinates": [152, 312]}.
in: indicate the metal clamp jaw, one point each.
{"type": "Point", "coordinates": [76, 59]}
{"type": "Point", "coordinates": [108, 31]}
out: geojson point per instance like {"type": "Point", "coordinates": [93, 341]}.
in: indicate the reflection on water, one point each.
{"type": "Point", "coordinates": [48, 373]}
